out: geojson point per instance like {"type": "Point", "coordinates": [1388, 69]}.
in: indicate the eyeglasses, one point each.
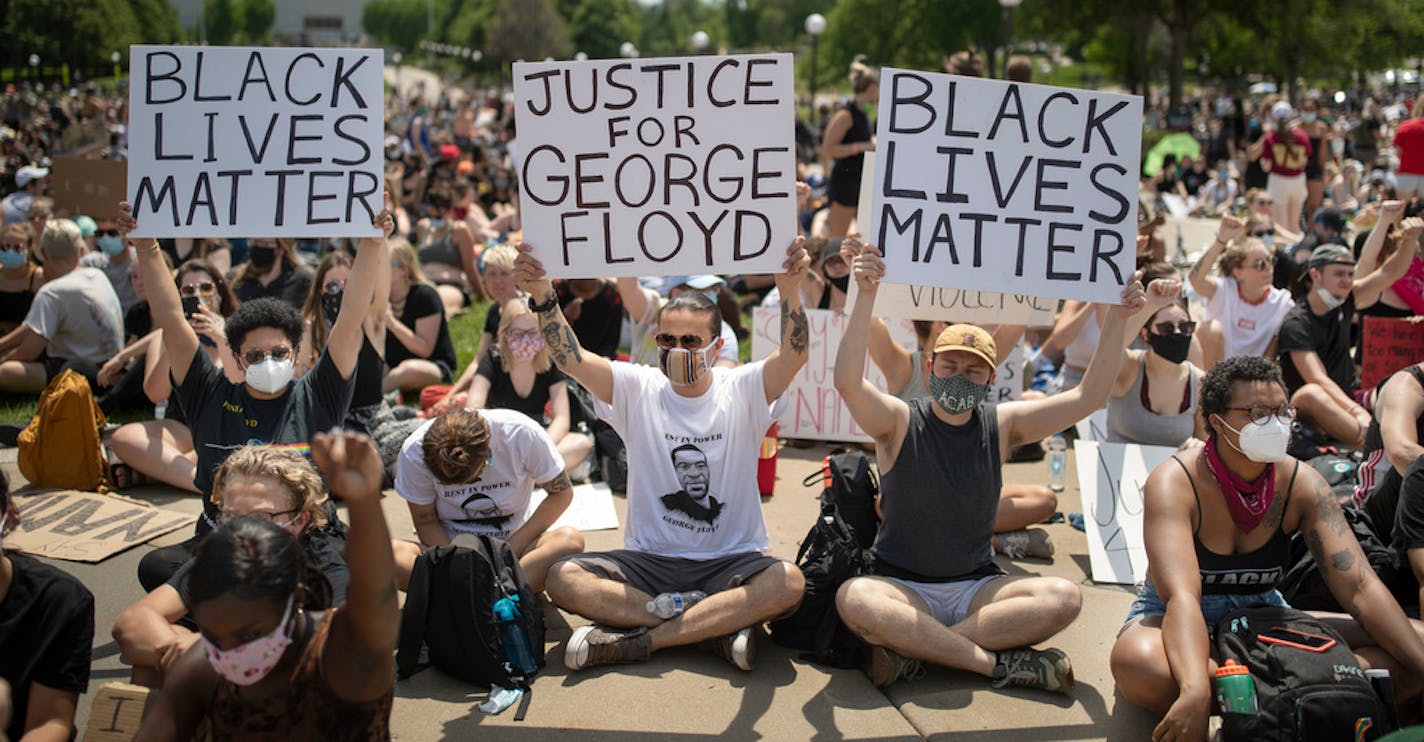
{"type": "Point", "coordinates": [332, 287]}
{"type": "Point", "coordinates": [273, 518]}
{"type": "Point", "coordinates": [1262, 233]}
{"type": "Point", "coordinates": [254, 356]}
{"type": "Point", "coordinates": [108, 233]}
{"type": "Point", "coordinates": [13, 246]}
{"type": "Point", "coordinates": [206, 288]}
{"type": "Point", "coordinates": [1185, 327]}
{"type": "Point", "coordinates": [516, 335]}
{"type": "Point", "coordinates": [1265, 202]}
{"type": "Point", "coordinates": [668, 341]}
{"type": "Point", "coordinates": [38, 216]}
{"type": "Point", "coordinates": [1261, 413]}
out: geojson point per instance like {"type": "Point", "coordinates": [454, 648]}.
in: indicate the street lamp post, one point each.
{"type": "Point", "coordinates": [1008, 6]}
{"type": "Point", "coordinates": [627, 50]}
{"type": "Point", "coordinates": [115, 59]}
{"type": "Point", "coordinates": [34, 66]}
{"type": "Point", "coordinates": [699, 42]}
{"type": "Point", "coordinates": [400, 92]}
{"type": "Point", "coordinates": [815, 26]}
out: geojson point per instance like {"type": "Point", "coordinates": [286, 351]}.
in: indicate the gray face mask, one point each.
{"type": "Point", "coordinates": [957, 394]}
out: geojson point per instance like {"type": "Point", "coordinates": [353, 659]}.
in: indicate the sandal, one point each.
{"type": "Point", "coordinates": [125, 477]}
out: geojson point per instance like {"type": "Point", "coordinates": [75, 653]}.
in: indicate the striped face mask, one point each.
{"type": "Point", "coordinates": [684, 367]}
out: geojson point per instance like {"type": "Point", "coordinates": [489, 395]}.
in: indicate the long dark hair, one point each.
{"type": "Point", "coordinates": [255, 560]}
{"type": "Point", "coordinates": [227, 303]}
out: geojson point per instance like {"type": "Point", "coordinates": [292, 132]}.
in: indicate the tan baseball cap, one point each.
{"type": "Point", "coordinates": [969, 338]}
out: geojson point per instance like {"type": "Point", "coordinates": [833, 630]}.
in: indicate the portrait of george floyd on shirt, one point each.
{"type": "Point", "coordinates": [820, 369]}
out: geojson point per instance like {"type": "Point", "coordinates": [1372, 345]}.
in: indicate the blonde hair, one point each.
{"type": "Point", "coordinates": [862, 75]}
{"type": "Point", "coordinates": [287, 467]}
{"type": "Point", "coordinates": [62, 241]}
{"type": "Point", "coordinates": [513, 310]}
{"type": "Point", "coordinates": [500, 256]}
{"type": "Point", "coordinates": [403, 253]}
{"type": "Point", "coordinates": [1418, 110]}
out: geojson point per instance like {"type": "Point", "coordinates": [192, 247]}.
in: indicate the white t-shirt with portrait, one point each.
{"type": "Point", "coordinates": [692, 461]}
{"type": "Point", "coordinates": [521, 456]}
{"type": "Point", "coordinates": [1247, 328]}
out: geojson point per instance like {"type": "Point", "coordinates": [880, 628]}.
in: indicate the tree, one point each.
{"type": "Point", "coordinates": [80, 33]}
{"type": "Point", "coordinates": [599, 27]}
{"type": "Point", "coordinates": [398, 23]}
{"type": "Point", "coordinates": [220, 17]}
{"type": "Point", "coordinates": [527, 29]}
{"type": "Point", "coordinates": [257, 19]}
{"type": "Point", "coordinates": [157, 21]}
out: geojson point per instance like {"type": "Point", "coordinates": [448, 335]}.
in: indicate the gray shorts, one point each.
{"type": "Point", "coordinates": [655, 574]}
{"type": "Point", "coordinates": [948, 601]}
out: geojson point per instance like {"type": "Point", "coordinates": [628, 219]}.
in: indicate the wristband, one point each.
{"type": "Point", "coordinates": [544, 306]}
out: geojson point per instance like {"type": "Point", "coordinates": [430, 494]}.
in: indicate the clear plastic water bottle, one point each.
{"type": "Point", "coordinates": [672, 605]}
{"type": "Point", "coordinates": [511, 634]}
{"type": "Point", "coordinates": [1057, 461]}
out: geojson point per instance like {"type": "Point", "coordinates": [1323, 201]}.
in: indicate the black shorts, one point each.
{"type": "Point", "coordinates": [655, 574]}
{"type": "Point", "coordinates": [465, 295]}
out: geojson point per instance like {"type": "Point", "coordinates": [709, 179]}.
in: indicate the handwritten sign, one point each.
{"type": "Point", "coordinates": [1001, 186]}
{"type": "Point", "coordinates": [657, 167]}
{"type": "Point", "coordinates": [117, 712]}
{"type": "Point", "coordinates": [1390, 344]}
{"type": "Point", "coordinates": [1110, 476]}
{"type": "Point", "coordinates": [901, 301]}
{"type": "Point", "coordinates": [250, 141]}
{"type": "Point", "coordinates": [814, 409]}
{"type": "Point", "coordinates": [1008, 377]}
{"type": "Point", "coordinates": [87, 526]}
{"type": "Point", "coordinates": [90, 187]}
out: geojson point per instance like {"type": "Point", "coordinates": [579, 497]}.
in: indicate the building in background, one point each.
{"type": "Point", "coordinates": [301, 22]}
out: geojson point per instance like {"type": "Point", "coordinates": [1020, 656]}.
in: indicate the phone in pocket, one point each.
{"type": "Point", "coordinates": [1296, 639]}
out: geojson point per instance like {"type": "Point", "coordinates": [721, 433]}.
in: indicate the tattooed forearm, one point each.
{"type": "Point", "coordinates": [558, 484]}
{"type": "Point", "coordinates": [550, 331]}
{"type": "Point", "coordinates": [795, 332]}
{"type": "Point", "coordinates": [1329, 511]}
{"type": "Point", "coordinates": [1342, 560]}
{"type": "Point", "coordinates": [559, 338]}
{"type": "Point", "coordinates": [573, 345]}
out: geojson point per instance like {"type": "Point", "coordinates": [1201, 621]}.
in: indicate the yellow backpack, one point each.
{"type": "Point", "coordinates": [60, 447]}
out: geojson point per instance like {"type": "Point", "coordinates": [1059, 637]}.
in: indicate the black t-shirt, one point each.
{"type": "Point", "coordinates": [46, 634]}
{"type": "Point", "coordinates": [224, 417]}
{"type": "Point", "coordinates": [138, 321]}
{"type": "Point", "coordinates": [1409, 516]}
{"type": "Point", "coordinates": [289, 286]}
{"type": "Point", "coordinates": [502, 394]}
{"type": "Point", "coordinates": [326, 552]}
{"type": "Point", "coordinates": [600, 320]}
{"type": "Point", "coordinates": [370, 369]}
{"type": "Point", "coordinates": [492, 318]}
{"type": "Point", "coordinates": [422, 301]}
{"type": "Point", "coordinates": [1328, 335]}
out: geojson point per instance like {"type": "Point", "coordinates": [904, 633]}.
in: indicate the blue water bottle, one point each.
{"type": "Point", "coordinates": [511, 634]}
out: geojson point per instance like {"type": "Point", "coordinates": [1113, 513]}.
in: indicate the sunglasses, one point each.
{"type": "Point", "coordinates": [205, 288]}
{"type": "Point", "coordinates": [108, 233]}
{"type": "Point", "coordinates": [332, 287]}
{"type": "Point", "coordinates": [1262, 233]}
{"type": "Point", "coordinates": [13, 246]}
{"type": "Point", "coordinates": [1261, 264]}
{"type": "Point", "coordinates": [1185, 327]}
{"type": "Point", "coordinates": [273, 518]}
{"type": "Point", "coordinates": [1261, 413]}
{"type": "Point", "coordinates": [668, 341]}
{"type": "Point", "coordinates": [1265, 202]}
{"type": "Point", "coordinates": [38, 216]}
{"type": "Point", "coordinates": [254, 356]}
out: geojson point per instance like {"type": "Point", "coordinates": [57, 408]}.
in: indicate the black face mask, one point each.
{"type": "Point", "coordinates": [842, 283]}
{"type": "Point", "coordinates": [262, 256]}
{"type": "Point", "coordinates": [1172, 347]}
{"type": "Point", "coordinates": [330, 306]}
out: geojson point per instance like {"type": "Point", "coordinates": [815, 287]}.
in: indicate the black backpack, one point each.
{"type": "Point", "coordinates": [836, 549]}
{"type": "Point", "coordinates": [1304, 587]}
{"type": "Point", "coordinates": [449, 607]}
{"type": "Point", "coordinates": [1317, 693]}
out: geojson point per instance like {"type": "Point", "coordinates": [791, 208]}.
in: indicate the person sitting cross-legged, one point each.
{"type": "Point", "coordinates": [937, 594]}
{"type": "Point", "coordinates": [694, 519]}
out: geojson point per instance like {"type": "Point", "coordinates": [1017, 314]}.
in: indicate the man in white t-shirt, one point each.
{"type": "Point", "coordinates": [694, 522]}
{"type": "Point", "coordinates": [469, 472]}
{"type": "Point", "coordinates": [75, 322]}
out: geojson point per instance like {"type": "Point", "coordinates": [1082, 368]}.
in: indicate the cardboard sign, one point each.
{"type": "Point", "coordinates": [1390, 344]}
{"type": "Point", "coordinates": [999, 186]}
{"type": "Point", "coordinates": [255, 142]}
{"type": "Point", "coordinates": [1110, 476]}
{"type": "Point", "coordinates": [657, 167]}
{"type": "Point", "coordinates": [116, 713]}
{"type": "Point", "coordinates": [90, 187]}
{"type": "Point", "coordinates": [814, 409]}
{"type": "Point", "coordinates": [591, 509]}
{"type": "Point", "coordinates": [87, 526]}
{"type": "Point", "coordinates": [902, 301]}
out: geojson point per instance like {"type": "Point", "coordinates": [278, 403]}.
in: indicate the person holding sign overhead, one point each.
{"type": "Point", "coordinates": [693, 434]}
{"type": "Point", "coordinates": [849, 135]}
{"type": "Point", "coordinates": [937, 594]}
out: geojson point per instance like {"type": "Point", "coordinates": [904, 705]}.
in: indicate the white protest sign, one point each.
{"type": "Point", "coordinates": [590, 510]}
{"type": "Point", "coordinates": [1094, 427]}
{"type": "Point", "coordinates": [814, 409]}
{"type": "Point", "coordinates": [902, 301]}
{"type": "Point", "coordinates": [255, 142]}
{"type": "Point", "coordinates": [657, 167]}
{"type": "Point", "coordinates": [1000, 186]}
{"type": "Point", "coordinates": [1110, 476]}
{"type": "Point", "coordinates": [1008, 377]}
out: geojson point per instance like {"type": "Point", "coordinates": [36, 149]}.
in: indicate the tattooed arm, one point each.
{"type": "Point", "coordinates": [1349, 575]}
{"type": "Point", "coordinates": [591, 370]}
{"type": "Point", "coordinates": [784, 362]}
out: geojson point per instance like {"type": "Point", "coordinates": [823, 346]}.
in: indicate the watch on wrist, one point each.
{"type": "Point", "coordinates": [544, 306]}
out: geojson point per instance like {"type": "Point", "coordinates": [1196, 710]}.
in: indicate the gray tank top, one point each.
{"type": "Point", "coordinates": [1131, 419]}
{"type": "Point", "coordinates": [915, 387]}
{"type": "Point", "coordinates": [940, 499]}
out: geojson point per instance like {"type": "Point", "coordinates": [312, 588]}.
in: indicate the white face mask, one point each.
{"type": "Point", "coordinates": [270, 376]}
{"type": "Point", "coordinates": [1265, 442]}
{"type": "Point", "coordinates": [684, 367]}
{"type": "Point", "coordinates": [1328, 299]}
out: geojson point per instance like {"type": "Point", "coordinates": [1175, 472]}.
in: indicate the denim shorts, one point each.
{"type": "Point", "coordinates": [1149, 603]}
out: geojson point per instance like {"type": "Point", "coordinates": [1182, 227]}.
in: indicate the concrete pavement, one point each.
{"type": "Point", "coordinates": [686, 693]}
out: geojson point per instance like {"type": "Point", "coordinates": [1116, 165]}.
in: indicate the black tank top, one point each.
{"type": "Point", "coordinates": [14, 305]}
{"type": "Point", "coordinates": [1246, 573]}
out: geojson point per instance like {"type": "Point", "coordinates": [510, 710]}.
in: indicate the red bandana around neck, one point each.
{"type": "Point", "coordinates": [1247, 501]}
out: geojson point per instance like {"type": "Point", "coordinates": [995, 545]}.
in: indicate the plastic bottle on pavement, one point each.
{"type": "Point", "coordinates": [672, 605]}
{"type": "Point", "coordinates": [1057, 461]}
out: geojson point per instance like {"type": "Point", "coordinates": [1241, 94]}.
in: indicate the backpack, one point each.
{"type": "Point", "coordinates": [834, 550]}
{"type": "Point", "coordinates": [449, 607]}
{"type": "Point", "coordinates": [1304, 587]}
{"type": "Point", "coordinates": [1302, 693]}
{"type": "Point", "coordinates": [60, 447]}
{"type": "Point", "coordinates": [1340, 472]}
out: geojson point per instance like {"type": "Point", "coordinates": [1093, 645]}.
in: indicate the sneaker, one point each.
{"type": "Point", "coordinates": [886, 667]}
{"type": "Point", "coordinates": [1048, 669]}
{"type": "Point", "coordinates": [738, 648]}
{"type": "Point", "coordinates": [601, 645]}
{"type": "Point", "coordinates": [1027, 542]}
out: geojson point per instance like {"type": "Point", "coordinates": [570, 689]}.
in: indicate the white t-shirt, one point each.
{"type": "Point", "coordinates": [79, 314]}
{"type": "Point", "coordinates": [643, 349]}
{"type": "Point", "coordinates": [521, 456]}
{"type": "Point", "coordinates": [692, 461]}
{"type": "Point", "coordinates": [1248, 328]}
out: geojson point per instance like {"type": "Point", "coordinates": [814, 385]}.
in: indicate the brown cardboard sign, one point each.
{"type": "Point", "coordinates": [117, 712]}
{"type": "Point", "coordinates": [90, 187]}
{"type": "Point", "coordinates": [87, 526]}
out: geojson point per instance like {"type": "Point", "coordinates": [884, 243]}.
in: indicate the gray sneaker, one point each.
{"type": "Point", "coordinates": [1047, 669]}
{"type": "Point", "coordinates": [738, 648]}
{"type": "Point", "coordinates": [885, 667]}
{"type": "Point", "coordinates": [602, 645]}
